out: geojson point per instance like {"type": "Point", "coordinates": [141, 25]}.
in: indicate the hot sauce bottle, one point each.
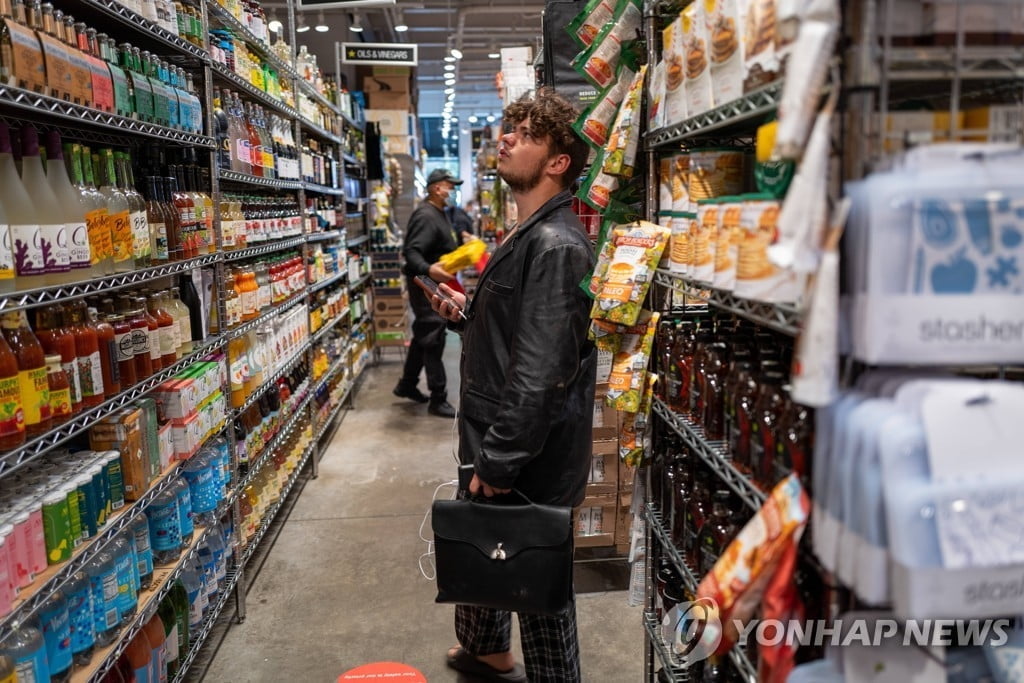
{"type": "Point", "coordinates": [32, 383]}
{"type": "Point", "coordinates": [87, 349]}
{"type": "Point", "coordinates": [141, 353]}
{"type": "Point", "coordinates": [60, 390]}
{"type": "Point", "coordinates": [124, 349]}
{"type": "Point", "coordinates": [697, 511]}
{"type": "Point", "coordinates": [108, 351]}
{"type": "Point", "coordinates": [56, 339]}
{"type": "Point", "coordinates": [167, 331]}
{"type": "Point", "coordinates": [12, 415]}
{"type": "Point", "coordinates": [154, 334]}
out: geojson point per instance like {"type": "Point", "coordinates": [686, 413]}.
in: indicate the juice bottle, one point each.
{"type": "Point", "coordinates": [154, 630]}
{"type": "Point", "coordinates": [140, 655]}
{"type": "Point", "coordinates": [168, 331]}
{"type": "Point", "coordinates": [48, 250]}
{"type": "Point", "coordinates": [106, 338]}
{"type": "Point", "coordinates": [232, 302]}
{"type": "Point", "coordinates": [87, 350]}
{"type": "Point", "coordinates": [58, 340]}
{"type": "Point", "coordinates": [12, 414]}
{"type": "Point", "coordinates": [184, 321]}
{"type": "Point", "coordinates": [60, 390]}
{"type": "Point", "coordinates": [32, 382]}
{"type": "Point", "coordinates": [155, 357]}
{"type": "Point", "coordinates": [238, 375]}
{"type": "Point", "coordinates": [124, 349]}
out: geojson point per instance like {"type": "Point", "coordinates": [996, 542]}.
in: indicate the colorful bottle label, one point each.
{"type": "Point", "coordinates": [6, 253]}
{"type": "Point", "coordinates": [104, 601]}
{"type": "Point", "coordinates": [160, 250]}
{"type": "Point", "coordinates": [57, 635]}
{"type": "Point", "coordinates": [31, 667]}
{"type": "Point", "coordinates": [75, 518]}
{"type": "Point", "coordinates": [124, 345]}
{"type": "Point", "coordinates": [127, 598]}
{"type": "Point", "coordinates": [57, 531]}
{"type": "Point", "coordinates": [28, 250]}
{"type": "Point", "coordinates": [35, 395]}
{"type": "Point", "coordinates": [100, 239]}
{"type": "Point", "coordinates": [185, 511]}
{"type": "Point", "coordinates": [90, 374]}
{"type": "Point", "coordinates": [141, 248]}
{"type": "Point", "coordinates": [143, 550]}
{"type": "Point", "coordinates": [140, 341]}
{"type": "Point", "coordinates": [164, 527]}
{"type": "Point", "coordinates": [12, 415]}
{"type": "Point", "coordinates": [53, 240]}
{"type": "Point", "coordinates": [120, 225]}
{"type": "Point", "coordinates": [78, 245]}
{"type": "Point", "coordinates": [116, 478]}
{"type": "Point", "coordinates": [60, 402]}
{"type": "Point", "coordinates": [115, 369]}
{"type": "Point", "coordinates": [80, 611]}
{"type": "Point", "coordinates": [242, 151]}
{"type": "Point", "coordinates": [202, 486]}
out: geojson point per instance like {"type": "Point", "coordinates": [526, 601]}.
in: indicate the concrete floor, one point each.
{"type": "Point", "coordinates": [342, 586]}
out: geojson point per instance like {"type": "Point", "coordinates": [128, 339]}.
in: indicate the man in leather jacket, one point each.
{"type": "Point", "coordinates": [528, 372]}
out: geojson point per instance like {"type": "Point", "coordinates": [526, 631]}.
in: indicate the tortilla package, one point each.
{"type": "Point", "coordinates": [638, 251]}
{"type": "Point", "coordinates": [629, 364]}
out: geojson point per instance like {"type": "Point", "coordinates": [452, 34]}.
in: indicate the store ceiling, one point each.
{"type": "Point", "coordinates": [478, 29]}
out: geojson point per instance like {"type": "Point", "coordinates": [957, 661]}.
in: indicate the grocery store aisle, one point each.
{"type": "Point", "coordinates": [342, 586]}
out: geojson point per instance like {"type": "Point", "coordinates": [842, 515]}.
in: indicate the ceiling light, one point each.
{"type": "Point", "coordinates": [449, 81]}
{"type": "Point", "coordinates": [302, 28]}
{"type": "Point", "coordinates": [321, 25]}
{"type": "Point", "coordinates": [355, 26]}
{"type": "Point", "coordinates": [494, 55]}
{"type": "Point", "coordinates": [275, 26]}
{"type": "Point", "coordinates": [455, 119]}
{"type": "Point", "coordinates": [401, 28]}
{"type": "Point", "coordinates": [449, 67]}
{"type": "Point", "coordinates": [457, 53]}
{"type": "Point", "coordinates": [449, 91]}
{"type": "Point", "coordinates": [449, 58]}
{"type": "Point", "coordinates": [400, 25]}
{"type": "Point", "coordinates": [490, 119]}
{"type": "Point", "coordinates": [472, 119]}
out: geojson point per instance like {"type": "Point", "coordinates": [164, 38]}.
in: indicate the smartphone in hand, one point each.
{"type": "Point", "coordinates": [431, 289]}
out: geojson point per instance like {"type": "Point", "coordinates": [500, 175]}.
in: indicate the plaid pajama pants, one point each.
{"type": "Point", "coordinates": [551, 645]}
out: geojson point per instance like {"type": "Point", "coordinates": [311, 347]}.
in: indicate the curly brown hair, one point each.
{"type": "Point", "coordinates": [551, 117]}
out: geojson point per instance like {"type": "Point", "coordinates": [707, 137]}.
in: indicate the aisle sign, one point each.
{"type": "Point", "coordinates": [390, 54]}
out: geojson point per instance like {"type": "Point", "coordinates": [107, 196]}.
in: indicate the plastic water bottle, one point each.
{"type": "Point", "coordinates": [138, 530]}
{"type": "Point", "coordinates": [26, 647]}
{"type": "Point", "coordinates": [164, 527]}
{"type": "Point", "coordinates": [56, 627]}
{"type": "Point", "coordinates": [180, 488]}
{"type": "Point", "coordinates": [192, 580]}
{"type": "Point", "coordinates": [209, 566]}
{"type": "Point", "coordinates": [80, 613]}
{"type": "Point", "coordinates": [218, 545]}
{"type": "Point", "coordinates": [103, 581]}
{"type": "Point", "coordinates": [203, 487]}
{"type": "Point", "coordinates": [127, 582]}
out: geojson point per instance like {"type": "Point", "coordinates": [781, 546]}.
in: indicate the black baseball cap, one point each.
{"type": "Point", "coordinates": [441, 174]}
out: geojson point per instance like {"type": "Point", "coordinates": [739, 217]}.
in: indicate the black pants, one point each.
{"type": "Point", "coordinates": [426, 351]}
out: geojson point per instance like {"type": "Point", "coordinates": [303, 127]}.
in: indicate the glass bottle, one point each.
{"type": "Point", "coordinates": [141, 342]}
{"type": "Point", "coordinates": [106, 338]}
{"type": "Point", "coordinates": [139, 654]}
{"type": "Point", "coordinates": [32, 381]}
{"type": "Point", "coordinates": [768, 409]}
{"type": "Point", "coordinates": [142, 248]}
{"type": "Point", "coordinates": [57, 339]}
{"type": "Point", "coordinates": [255, 145]}
{"type": "Point", "coordinates": [60, 391]}
{"type": "Point", "coordinates": [204, 180]}
{"type": "Point", "coordinates": [184, 321]}
{"type": "Point", "coordinates": [190, 298]}
{"type": "Point", "coordinates": [173, 612]}
{"type": "Point", "coordinates": [87, 351]}
{"type": "Point", "coordinates": [157, 638]}
{"type": "Point", "coordinates": [717, 532]}
{"type": "Point", "coordinates": [167, 332]}
{"type": "Point", "coordinates": [681, 496]}
{"type": "Point", "coordinates": [97, 217]}
{"type": "Point", "coordinates": [741, 392]}
{"type": "Point", "coordinates": [156, 224]}
{"type": "Point", "coordinates": [794, 443]}
{"type": "Point", "coordinates": [172, 219]}
{"type": "Point", "coordinates": [119, 214]}
{"type": "Point", "coordinates": [155, 352]}
{"type": "Point", "coordinates": [697, 510]}
{"type": "Point", "coordinates": [80, 263]}
{"type": "Point", "coordinates": [716, 368]}
{"type": "Point", "coordinates": [186, 212]}
{"type": "Point", "coordinates": [12, 414]}
{"type": "Point", "coordinates": [680, 368]}
{"type": "Point", "coordinates": [38, 228]}
{"type": "Point", "coordinates": [124, 346]}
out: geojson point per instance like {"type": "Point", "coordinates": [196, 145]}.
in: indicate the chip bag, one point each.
{"type": "Point", "coordinates": [621, 149]}
{"type": "Point", "coordinates": [467, 255]}
{"type": "Point", "coordinates": [637, 251]}
{"type": "Point", "coordinates": [629, 364]}
{"type": "Point", "coordinates": [749, 567]}
{"type": "Point", "coordinates": [634, 438]}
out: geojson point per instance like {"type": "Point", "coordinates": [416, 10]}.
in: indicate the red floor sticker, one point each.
{"type": "Point", "coordinates": [383, 671]}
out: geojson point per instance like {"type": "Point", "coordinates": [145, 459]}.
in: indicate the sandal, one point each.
{"type": "Point", "coordinates": [468, 664]}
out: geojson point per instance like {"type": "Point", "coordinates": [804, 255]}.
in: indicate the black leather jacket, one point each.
{"type": "Point", "coordinates": [528, 369]}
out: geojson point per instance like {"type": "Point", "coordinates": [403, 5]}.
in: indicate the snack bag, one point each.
{"type": "Point", "coordinates": [638, 250]}
{"type": "Point", "coordinates": [740, 577]}
{"type": "Point", "coordinates": [596, 121]}
{"type": "Point", "coordinates": [622, 145]}
{"type": "Point", "coordinates": [589, 23]}
{"type": "Point", "coordinates": [629, 365]}
{"type": "Point", "coordinates": [634, 438]}
{"type": "Point", "coordinates": [463, 257]}
{"type": "Point", "coordinates": [605, 335]}
{"type": "Point", "coordinates": [599, 63]}
{"type": "Point", "coordinates": [596, 190]}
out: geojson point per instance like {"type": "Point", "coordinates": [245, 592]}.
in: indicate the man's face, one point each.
{"type": "Point", "coordinates": [442, 190]}
{"type": "Point", "coordinates": [522, 156]}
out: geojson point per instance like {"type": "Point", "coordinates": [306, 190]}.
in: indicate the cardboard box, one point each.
{"type": "Point", "coordinates": [594, 525]}
{"type": "Point", "coordinates": [610, 447]}
{"type": "Point", "coordinates": [391, 121]}
{"type": "Point", "coordinates": [605, 421]}
{"type": "Point", "coordinates": [389, 304]}
{"type": "Point", "coordinates": [166, 444]}
{"type": "Point", "coordinates": [390, 323]}
{"type": "Point", "coordinates": [375, 84]}
{"type": "Point", "coordinates": [398, 144]}
{"type": "Point", "coordinates": [623, 524]}
{"type": "Point", "coordinates": [391, 100]}
{"type": "Point", "coordinates": [187, 435]}
{"type": "Point", "coordinates": [604, 474]}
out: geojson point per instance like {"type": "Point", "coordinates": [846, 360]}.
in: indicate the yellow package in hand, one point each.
{"type": "Point", "coordinates": [463, 257]}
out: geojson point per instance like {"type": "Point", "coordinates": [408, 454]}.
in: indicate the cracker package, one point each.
{"type": "Point", "coordinates": [665, 185]}
{"type": "Point", "coordinates": [699, 97]}
{"type": "Point", "coordinates": [596, 121]}
{"type": "Point", "coordinates": [675, 72]}
{"type": "Point", "coordinates": [621, 150]}
{"type": "Point", "coordinates": [715, 172]}
{"type": "Point", "coordinates": [629, 364]}
{"type": "Point", "coordinates": [679, 242]}
{"type": "Point", "coordinates": [656, 97]}
{"type": "Point", "coordinates": [634, 437]}
{"type": "Point", "coordinates": [600, 62]}
{"type": "Point", "coordinates": [638, 250]}
{"type": "Point", "coordinates": [752, 562]}
{"type": "Point", "coordinates": [589, 23]}
{"type": "Point", "coordinates": [756, 276]}
{"type": "Point", "coordinates": [597, 188]}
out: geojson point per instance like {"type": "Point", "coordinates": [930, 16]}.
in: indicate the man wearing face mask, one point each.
{"type": "Point", "coordinates": [428, 236]}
